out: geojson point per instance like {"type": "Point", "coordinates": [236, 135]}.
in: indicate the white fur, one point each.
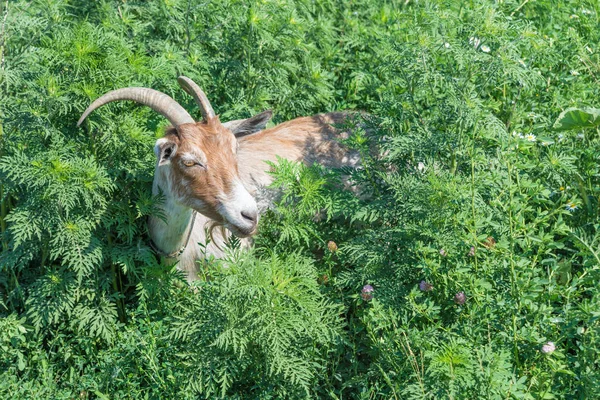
{"type": "Point", "coordinates": [237, 202]}
{"type": "Point", "coordinates": [169, 235]}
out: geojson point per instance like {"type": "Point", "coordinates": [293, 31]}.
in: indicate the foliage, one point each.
{"type": "Point", "coordinates": [577, 118]}
{"type": "Point", "coordinates": [464, 187]}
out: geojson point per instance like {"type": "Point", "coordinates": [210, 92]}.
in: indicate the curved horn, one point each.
{"type": "Point", "coordinates": [194, 90]}
{"type": "Point", "coordinates": [159, 102]}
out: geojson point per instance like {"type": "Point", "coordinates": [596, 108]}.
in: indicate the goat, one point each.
{"type": "Point", "coordinates": [210, 172]}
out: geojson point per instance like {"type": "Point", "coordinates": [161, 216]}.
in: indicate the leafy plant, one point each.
{"type": "Point", "coordinates": [577, 118]}
{"type": "Point", "coordinates": [463, 264]}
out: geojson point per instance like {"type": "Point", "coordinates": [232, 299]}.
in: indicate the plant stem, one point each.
{"type": "Point", "coordinates": [518, 8]}
{"type": "Point", "coordinates": [2, 30]}
{"type": "Point", "coordinates": [3, 201]}
{"type": "Point", "coordinates": [115, 283]}
{"type": "Point", "coordinates": [513, 276]}
{"type": "Point", "coordinates": [3, 212]}
{"type": "Point", "coordinates": [473, 210]}
{"type": "Point", "coordinates": [188, 39]}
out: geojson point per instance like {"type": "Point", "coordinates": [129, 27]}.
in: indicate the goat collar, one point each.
{"type": "Point", "coordinates": [179, 252]}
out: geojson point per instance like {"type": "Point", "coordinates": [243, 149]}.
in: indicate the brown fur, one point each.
{"type": "Point", "coordinates": [219, 171]}
{"type": "Point", "coordinates": [305, 139]}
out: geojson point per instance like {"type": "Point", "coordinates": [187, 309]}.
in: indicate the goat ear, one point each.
{"type": "Point", "coordinates": [164, 150]}
{"type": "Point", "coordinates": [243, 127]}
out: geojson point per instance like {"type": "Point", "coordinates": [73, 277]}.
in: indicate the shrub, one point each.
{"type": "Point", "coordinates": [472, 192]}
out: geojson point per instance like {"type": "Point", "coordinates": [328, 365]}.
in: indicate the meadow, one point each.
{"type": "Point", "coordinates": [467, 269]}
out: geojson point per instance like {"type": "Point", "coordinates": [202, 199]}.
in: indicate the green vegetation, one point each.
{"type": "Point", "coordinates": [478, 231]}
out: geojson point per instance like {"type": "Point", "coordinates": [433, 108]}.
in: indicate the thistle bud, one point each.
{"type": "Point", "coordinates": [425, 286]}
{"type": "Point", "coordinates": [548, 348]}
{"type": "Point", "coordinates": [460, 298]}
{"type": "Point", "coordinates": [490, 242]}
{"type": "Point", "coordinates": [332, 246]}
{"type": "Point", "coordinates": [367, 292]}
{"type": "Point", "coordinates": [472, 251]}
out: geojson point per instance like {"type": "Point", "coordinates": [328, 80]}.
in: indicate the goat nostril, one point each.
{"type": "Point", "coordinates": [250, 215]}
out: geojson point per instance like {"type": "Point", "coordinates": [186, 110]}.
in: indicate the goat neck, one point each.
{"type": "Point", "coordinates": [169, 235]}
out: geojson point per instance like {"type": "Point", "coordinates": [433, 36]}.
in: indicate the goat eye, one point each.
{"type": "Point", "coordinates": [189, 163]}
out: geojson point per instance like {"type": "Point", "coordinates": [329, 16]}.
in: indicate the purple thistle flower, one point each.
{"type": "Point", "coordinates": [367, 292]}
{"type": "Point", "coordinates": [472, 251]}
{"type": "Point", "coordinates": [460, 298]}
{"type": "Point", "coordinates": [548, 348]}
{"type": "Point", "coordinates": [425, 286]}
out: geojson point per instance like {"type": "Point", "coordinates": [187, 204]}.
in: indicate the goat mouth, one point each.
{"type": "Point", "coordinates": [241, 232]}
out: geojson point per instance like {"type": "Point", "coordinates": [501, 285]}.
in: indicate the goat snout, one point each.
{"type": "Point", "coordinates": [250, 215]}
{"type": "Point", "coordinates": [243, 225]}
{"type": "Point", "coordinates": [246, 225]}
{"type": "Point", "coordinates": [240, 212]}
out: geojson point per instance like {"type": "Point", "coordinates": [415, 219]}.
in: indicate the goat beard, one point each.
{"type": "Point", "coordinates": [219, 227]}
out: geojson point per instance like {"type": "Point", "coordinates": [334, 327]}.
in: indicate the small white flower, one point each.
{"type": "Point", "coordinates": [560, 137]}
{"type": "Point", "coordinates": [447, 45]}
{"type": "Point", "coordinates": [574, 72]}
{"type": "Point", "coordinates": [421, 167]}
{"type": "Point", "coordinates": [571, 206]}
{"type": "Point", "coordinates": [545, 143]}
{"type": "Point", "coordinates": [530, 137]}
{"type": "Point", "coordinates": [580, 136]}
{"type": "Point", "coordinates": [585, 11]}
{"type": "Point", "coordinates": [514, 133]}
{"type": "Point", "coordinates": [573, 16]}
{"type": "Point", "coordinates": [485, 48]}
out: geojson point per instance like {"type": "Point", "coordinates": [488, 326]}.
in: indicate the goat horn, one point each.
{"type": "Point", "coordinates": [194, 90]}
{"type": "Point", "coordinates": [159, 102]}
